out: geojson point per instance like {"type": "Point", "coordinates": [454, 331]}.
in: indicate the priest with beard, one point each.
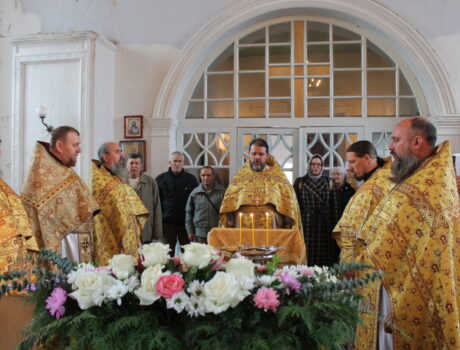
{"type": "Point", "coordinates": [413, 237]}
{"type": "Point", "coordinates": [260, 187]}
{"type": "Point", "coordinates": [118, 228]}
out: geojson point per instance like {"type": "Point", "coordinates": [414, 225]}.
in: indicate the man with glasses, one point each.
{"type": "Point", "coordinates": [313, 195]}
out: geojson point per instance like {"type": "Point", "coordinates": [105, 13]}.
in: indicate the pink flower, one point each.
{"type": "Point", "coordinates": [169, 285]}
{"type": "Point", "coordinates": [267, 299]}
{"type": "Point", "coordinates": [217, 262]}
{"type": "Point", "coordinates": [261, 268]}
{"type": "Point", "coordinates": [307, 272]}
{"type": "Point", "coordinates": [290, 282]}
{"type": "Point", "coordinates": [55, 302]}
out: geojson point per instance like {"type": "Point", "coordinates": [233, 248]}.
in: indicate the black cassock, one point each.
{"type": "Point", "coordinates": [313, 196]}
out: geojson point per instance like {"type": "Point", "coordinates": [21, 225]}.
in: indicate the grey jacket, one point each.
{"type": "Point", "coordinates": [200, 215]}
{"type": "Point", "coordinates": [147, 189]}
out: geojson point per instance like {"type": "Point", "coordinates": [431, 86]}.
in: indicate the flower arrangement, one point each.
{"type": "Point", "coordinates": [194, 301]}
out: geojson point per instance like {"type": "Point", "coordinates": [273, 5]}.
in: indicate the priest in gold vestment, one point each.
{"type": "Point", "coordinates": [16, 236]}
{"type": "Point", "coordinates": [413, 237]}
{"type": "Point", "coordinates": [366, 166]}
{"type": "Point", "coordinates": [260, 187]}
{"type": "Point", "coordinates": [118, 228]}
{"type": "Point", "coordinates": [58, 202]}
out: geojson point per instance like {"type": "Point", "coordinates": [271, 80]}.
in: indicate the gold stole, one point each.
{"type": "Point", "coordinates": [118, 227]}
{"type": "Point", "coordinates": [15, 231]}
{"type": "Point", "coordinates": [58, 202]}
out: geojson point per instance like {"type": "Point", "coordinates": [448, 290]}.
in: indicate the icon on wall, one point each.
{"type": "Point", "coordinates": [133, 126]}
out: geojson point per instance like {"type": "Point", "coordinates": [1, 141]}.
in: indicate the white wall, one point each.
{"type": "Point", "coordinates": [150, 34]}
{"type": "Point", "coordinates": [12, 23]}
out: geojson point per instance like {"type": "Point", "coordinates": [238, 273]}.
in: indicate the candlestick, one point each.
{"type": "Point", "coordinates": [241, 228]}
{"type": "Point", "coordinates": [252, 224]}
{"type": "Point", "coordinates": [267, 215]}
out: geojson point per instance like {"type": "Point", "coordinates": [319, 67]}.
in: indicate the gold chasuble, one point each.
{"type": "Point", "coordinates": [58, 202]}
{"type": "Point", "coordinates": [259, 192]}
{"type": "Point", "coordinates": [348, 231]}
{"type": "Point", "coordinates": [118, 227]}
{"type": "Point", "coordinates": [16, 236]}
{"type": "Point", "coordinates": [414, 238]}
{"type": "Point", "coordinates": [350, 238]}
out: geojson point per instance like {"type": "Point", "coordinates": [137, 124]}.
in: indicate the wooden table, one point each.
{"type": "Point", "coordinates": [14, 316]}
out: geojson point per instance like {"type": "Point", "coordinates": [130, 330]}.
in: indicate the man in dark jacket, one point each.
{"type": "Point", "coordinates": [175, 186]}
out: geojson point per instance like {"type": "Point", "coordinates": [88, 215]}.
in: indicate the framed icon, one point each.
{"type": "Point", "coordinates": [133, 127]}
{"type": "Point", "coordinates": [129, 147]}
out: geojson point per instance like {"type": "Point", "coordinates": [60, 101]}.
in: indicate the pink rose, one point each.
{"type": "Point", "coordinates": [267, 299]}
{"type": "Point", "coordinates": [169, 285]}
{"type": "Point", "coordinates": [261, 268]}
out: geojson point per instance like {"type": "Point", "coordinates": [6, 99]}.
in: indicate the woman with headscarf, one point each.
{"type": "Point", "coordinates": [313, 195]}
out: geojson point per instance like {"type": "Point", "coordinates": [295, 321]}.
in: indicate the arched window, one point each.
{"type": "Point", "coordinates": [307, 86]}
{"type": "Point", "coordinates": [302, 69]}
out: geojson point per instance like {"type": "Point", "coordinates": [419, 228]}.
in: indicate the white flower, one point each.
{"type": "Point", "coordinates": [266, 280]}
{"type": "Point", "coordinates": [177, 302]}
{"type": "Point", "coordinates": [122, 265]}
{"type": "Point", "coordinates": [221, 292]}
{"type": "Point", "coordinates": [197, 254]}
{"type": "Point", "coordinates": [147, 293]}
{"type": "Point", "coordinates": [155, 254]}
{"type": "Point", "coordinates": [246, 283]}
{"type": "Point", "coordinates": [196, 288]}
{"type": "Point", "coordinates": [240, 267]}
{"type": "Point", "coordinates": [132, 283]}
{"type": "Point", "coordinates": [195, 307]}
{"type": "Point", "coordinates": [117, 291]}
{"type": "Point", "coordinates": [91, 287]}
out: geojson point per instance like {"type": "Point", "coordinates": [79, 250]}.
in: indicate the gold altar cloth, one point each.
{"type": "Point", "coordinates": [291, 239]}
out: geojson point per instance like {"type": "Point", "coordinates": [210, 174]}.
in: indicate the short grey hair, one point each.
{"type": "Point", "coordinates": [103, 149]}
{"type": "Point", "coordinates": [176, 153]}
{"type": "Point", "coordinates": [340, 169]}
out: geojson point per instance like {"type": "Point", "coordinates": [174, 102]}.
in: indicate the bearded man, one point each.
{"type": "Point", "coordinates": [260, 187]}
{"type": "Point", "coordinates": [413, 236]}
{"type": "Point", "coordinates": [59, 204]}
{"type": "Point", "coordinates": [118, 228]}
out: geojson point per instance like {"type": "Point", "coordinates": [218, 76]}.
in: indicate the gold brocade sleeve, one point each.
{"type": "Point", "coordinates": [347, 232]}
{"type": "Point", "coordinates": [251, 188]}
{"type": "Point", "coordinates": [16, 237]}
{"type": "Point", "coordinates": [118, 227]}
{"type": "Point", "coordinates": [414, 237]}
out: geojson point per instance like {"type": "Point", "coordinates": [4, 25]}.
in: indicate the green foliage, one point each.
{"type": "Point", "coordinates": [322, 314]}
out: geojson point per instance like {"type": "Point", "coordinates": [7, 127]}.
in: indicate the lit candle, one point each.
{"type": "Point", "coordinates": [252, 224]}
{"type": "Point", "coordinates": [241, 228]}
{"type": "Point", "coordinates": [267, 215]}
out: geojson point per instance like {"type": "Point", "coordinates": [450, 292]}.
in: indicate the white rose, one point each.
{"type": "Point", "coordinates": [154, 254]}
{"type": "Point", "coordinates": [122, 265]}
{"type": "Point", "coordinates": [240, 267]}
{"type": "Point", "coordinates": [91, 288]}
{"type": "Point", "coordinates": [221, 292]}
{"type": "Point", "coordinates": [147, 293]}
{"type": "Point", "coordinates": [197, 254]}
